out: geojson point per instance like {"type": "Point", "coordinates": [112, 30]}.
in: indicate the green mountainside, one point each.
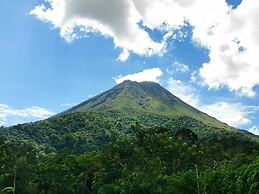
{"type": "Point", "coordinates": [143, 97]}
{"type": "Point", "coordinates": [133, 138]}
{"type": "Point", "coordinates": [93, 123]}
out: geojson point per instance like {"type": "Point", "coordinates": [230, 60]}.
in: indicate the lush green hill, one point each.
{"type": "Point", "coordinates": [144, 97]}
{"type": "Point", "coordinates": [91, 124]}
{"type": "Point", "coordinates": [134, 138]}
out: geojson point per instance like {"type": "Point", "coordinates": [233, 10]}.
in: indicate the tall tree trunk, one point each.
{"type": "Point", "coordinates": [197, 178]}
{"type": "Point", "coordinates": [14, 180]}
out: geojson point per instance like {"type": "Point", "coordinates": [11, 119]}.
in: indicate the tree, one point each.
{"type": "Point", "coordinates": [18, 160]}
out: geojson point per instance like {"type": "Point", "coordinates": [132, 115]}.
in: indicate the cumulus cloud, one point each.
{"type": "Point", "coordinates": [254, 130]}
{"type": "Point", "coordinates": [234, 48]}
{"type": "Point", "coordinates": [152, 74]}
{"type": "Point", "coordinates": [234, 114]}
{"type": "Point", "coordinates": [125, 21]}
{"type": "Point", "coordinates": [33, 112]}
{"type": "Point", "coordinates": [231, 35]}
{"type": "Point", "coordinates": [118, 19]}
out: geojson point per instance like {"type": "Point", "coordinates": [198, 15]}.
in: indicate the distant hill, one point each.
{"type": "Point", "coordinates": [97, 121]}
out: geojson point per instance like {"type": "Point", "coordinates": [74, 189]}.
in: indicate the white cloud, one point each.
{"type": "Point", "coordinates": [177, 67]}
{"type": "Point", "coordinates": [118, 19]}
{"type": "Point", "coordinates": [231, 35]}
{"type": "Point", "coordinates": [194, 77]}
{"type": "Point", "coordinates": [124, 55]}
{"type": "Point", "coordinates": [68, 105]}
{"type": "Point", "coordinates": [33, 112]}
{"type": "Point", "coordinates": [234, 114]}
{"type": "Point", "coordinates": [180, 67]}
{"type": "Point", "coordinates": [234, 48]}
{"type": "Point", "coordinates": [121, 19]}
{"type": "Point", "coordinates": [254, 130]}
{"type": "Point", "coordinates": [152, 74]}
{"type": "Point", "coordinates": [91, 95]}
{"type": "Point", "coordinates": [183, 91]}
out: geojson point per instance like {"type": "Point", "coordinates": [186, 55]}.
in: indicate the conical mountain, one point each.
{"type": "Point", "coordinates": [143, 97]}
{"type": "Point", "coordinates": [97, 121]}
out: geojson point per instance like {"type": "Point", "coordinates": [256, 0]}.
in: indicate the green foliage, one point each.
{"type": "Point", "coordinates": [148, 160]}
{"type": "Point", "coordinates": [64, 173]}
{"type": "Point", "coordinates": [18, 160]}
{"type": "Point", "coordinates": [233, 178]}
{"type": "Point", "coordinates": [81, 132]}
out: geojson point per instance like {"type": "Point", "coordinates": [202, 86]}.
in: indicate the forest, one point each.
{"type": "Point", "coordinates": [147, 160]}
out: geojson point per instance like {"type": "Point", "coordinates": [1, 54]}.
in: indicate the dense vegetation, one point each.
{"type": "Point", "coordinates": [150, 160]}
{"type": "Point", "coordinates": [134, 138]}
{"type": "Point", "coordinates": [90, 131]}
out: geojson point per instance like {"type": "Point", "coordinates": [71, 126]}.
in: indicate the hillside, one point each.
{"type": "Point", "coordinates": [144, 97]}
{"type": "Point", "coordinates": [134, 138]}
{"type": "Point", "coordinates": [95, 122]}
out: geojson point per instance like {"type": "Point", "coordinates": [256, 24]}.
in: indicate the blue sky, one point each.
{"type": "Point", "coordinates": [54, 57]}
